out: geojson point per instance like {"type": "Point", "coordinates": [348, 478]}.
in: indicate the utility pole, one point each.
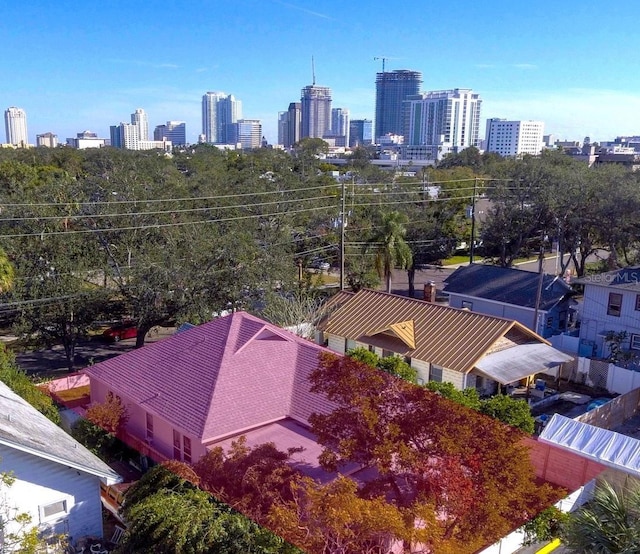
{"type": "Point", "coordinates": [472, 249]}
{"type": "Point", "coordinates": [540, 282]}
{"type": "Point", "coordinates": [343, 224]}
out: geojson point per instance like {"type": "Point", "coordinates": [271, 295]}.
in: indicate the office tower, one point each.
{"type": "Point", "coordinates": [392, 89]}
{"type": "Point", "coordinates": [340, 126]}
{"type": "Point", "coordinates": [315, 103]}
{"type": "Point", "coordinates": [219, 113]}
{"type": "Point", "coordinates": [290, 125]}
{"type": "Point", "coordinates": [15, 124]}
{"type": "Point", "coordinates": [48, 140]}
{"type": "Point", "coordinates": [449, 119]}
{"type": "Point", "coordinates": [360, 132]}
{"type": "Point", "coordinates": [248, 133]}
{"type": "Point", "coordinates": [140, 119]}
{"type": "Point", "coordinates": [86, 139]}
{"type": "Point", "coordinates": [514, 138]}
{"type": "Point", "coordinates": [175, 131]}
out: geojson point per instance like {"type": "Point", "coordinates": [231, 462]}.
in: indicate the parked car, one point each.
{"type": "Point", "coordinates": [319, 263]}
{"type": "Point", "coordinates": [120, 331]}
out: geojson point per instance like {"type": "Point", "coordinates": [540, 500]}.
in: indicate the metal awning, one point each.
{"type": "Point", "coordinates": [518, 362]}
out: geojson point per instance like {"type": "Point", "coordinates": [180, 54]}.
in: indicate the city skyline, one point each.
{"type": "Point", "coordinates": [548, 61]}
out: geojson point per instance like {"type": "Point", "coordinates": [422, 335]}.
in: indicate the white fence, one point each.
{"type": "Point", "coordinates": [513, 542]}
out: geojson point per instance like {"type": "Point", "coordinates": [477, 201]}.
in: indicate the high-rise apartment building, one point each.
{"type": "Point", "coordinates": [248, 133]}
{"type": "Point", "coordinates": [48, 140]}
{"type": "Point", "coordinates": [175, 131]}
{"type": "Point", "coordinates": [392, 89]}
{"type": "Point", "coordinates": [15, 124]}
{"type": "Point", "coordinates": [514, 138]}
{"type": "Point", "coordinates": [219, 113]}
{"type": "Point", "coordinates": [141, 121]}
{"type": "Point", "coordinates": [316, 111]}
{"type": "Point", "coordinates": [360, 132]}
{"type": "Point", "coordinates": [444, 120]}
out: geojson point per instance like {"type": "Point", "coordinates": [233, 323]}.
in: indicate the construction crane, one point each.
{"type": "Point", "coordinates": [383, 61]}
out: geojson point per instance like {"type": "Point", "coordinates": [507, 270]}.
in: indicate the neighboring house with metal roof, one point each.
{"type": "Point", "coordinates": [462, 347]}
{"type": "Point", "coordinates": [512, 293]}
{"type": "Point", "coordinates": [57, 480]}
{"type": "Point", "coordinates": [225, 378]}
{"type": "Point", "coordinates": [611, 305]}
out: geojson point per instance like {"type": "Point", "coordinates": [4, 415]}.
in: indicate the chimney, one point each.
{"type": "Point", "coordinates": [430, 291]}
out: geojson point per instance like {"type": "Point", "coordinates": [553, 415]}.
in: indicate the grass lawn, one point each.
{"type": "Point", "coordinates": [455, 260]}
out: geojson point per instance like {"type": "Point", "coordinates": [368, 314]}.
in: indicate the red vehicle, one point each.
{"type": "Point", "coordinates": [125, 330]}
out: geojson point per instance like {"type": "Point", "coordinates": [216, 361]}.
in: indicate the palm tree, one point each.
{"type": "Point", "coordinates": [608, 524]}
{"type": "Point", "coordinates": [390, 246]}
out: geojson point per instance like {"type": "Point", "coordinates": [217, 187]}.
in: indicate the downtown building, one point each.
{"type": "Point", "coordinates": [47, 140]}
{"type": "Point", "coordinates": [393, 88]}
{"type": "Point", "coordinates": [135, 135]}
{"type": "Point", "coordinates": [339, 131]}
{"type": "Point", "coordinates": [440, 122]}
{"type": "Point", "coordinates": [290, 125]}
{"type": "Point", "coordinates": [15, 124]}
{"type": "Point", "coordinates": [220, 112]}
{"type": "Point", "coordinates": [173, 131]}
{"type": "Point", "coordinates": [315, 102]}
{"type": "Point", "coordinates": [360, 132]}
{"type": "Point", "coordinates": [514, 138]}
{"type": "Point", "coordinates": [248, 133]}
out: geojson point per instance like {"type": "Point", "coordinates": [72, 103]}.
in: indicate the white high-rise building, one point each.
{"type": "Point", "coordinates": [47, 140]}
{"type": "Point", "coordinates": [15, 123]}
{"type": "Point", "coordinates": [340, 126]}
{"type": "Point", "coordinates": [444, 121]}
{"type": "Point", "coordinates": [219, 113]}
{"type": "Point", "coordinates": [140, 119]}
{"type": "Point", "coordinates": [514, 138]}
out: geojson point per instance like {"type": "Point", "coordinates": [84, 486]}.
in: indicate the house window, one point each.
{"type": "Point", "coordinates": [53, 511]}
{"type": "Point", "coordinates": [407, 360]}
{"type": "Point", "coordinates": [186, 447]}
{"type": "Point", "coordinates": [435, 373]}
{"type": "Point", "coordinates": [467, 305]}
{"type": "Point", "coordinates": [550, 321]}
{"type": "Point", "coordinates": [634, 343]}
{"type": "Point", "coordinates": [177, 452]}
{"type": "Point", "coordinates": [638, 302]}
{"type": "Point", "coordinates": [149, 427]}
{"type": "Point", "coordinates": [615, 304]}
{"type": "Point", "coordinates": [372, 348]}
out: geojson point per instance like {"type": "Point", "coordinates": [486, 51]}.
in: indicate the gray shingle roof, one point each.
{"type": "Point", "coordinates": [24, 428]}
{"type": "Point", "coordinates": [511, 286]}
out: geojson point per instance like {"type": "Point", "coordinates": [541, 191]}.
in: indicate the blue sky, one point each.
{"type": "Point", "coordinates": [76, 65]}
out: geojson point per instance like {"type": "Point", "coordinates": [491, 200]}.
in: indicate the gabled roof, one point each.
{"type": "Point", "coordinates": [24, 428]}
{"type": "Point", "coordinates": [449, 337]}
{"type": "Point", "coordinates": [627, 278]}
{"type": "Point", "coordinates": [507, 285]}
{"type": "Point", "coordinates": [219, 378]}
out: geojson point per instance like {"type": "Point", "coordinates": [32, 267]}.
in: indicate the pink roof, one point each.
{"type": "Point", "coordinates": [220, 378]}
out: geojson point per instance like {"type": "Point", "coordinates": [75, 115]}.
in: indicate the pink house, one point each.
{"type": "Point", "coordinates": [236, 375]}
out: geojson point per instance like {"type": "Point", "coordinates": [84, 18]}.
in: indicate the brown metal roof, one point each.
{"type": "Point", "coordinates": [449, 337]}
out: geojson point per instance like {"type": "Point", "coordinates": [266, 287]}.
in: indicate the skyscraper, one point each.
{"type": "Point", "coordinates": [444, 120]}
{"type": "Point", "coordinates": [360, 132]}
{"type": "Point", "coordinates": [175, 131]}
{"type": "Point", "coordinates": [340, 126]}
{"type": "Point", "coordinates": [15, 123]}
{"type": "Point", "coordinates": [140, 119]}
{"type": "Point", "coordinates": [316, 111]}
{"type": "Point", "coordinates": [392, 89]}
{"type": "Point", "coordinates": [219, 112]}
{"type": "Point", "coordinates": [47, 140]}
{"type": "Point", "coordinates": [248, 133]}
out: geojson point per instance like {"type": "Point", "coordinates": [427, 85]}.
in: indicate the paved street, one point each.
{"type": "Point", "coordinates": [52, 360]}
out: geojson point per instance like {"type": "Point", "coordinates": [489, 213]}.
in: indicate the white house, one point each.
{"type": "Point", "coordinates": [57, 480]}
{"type": "Point", "coordinates": [611, 304]}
